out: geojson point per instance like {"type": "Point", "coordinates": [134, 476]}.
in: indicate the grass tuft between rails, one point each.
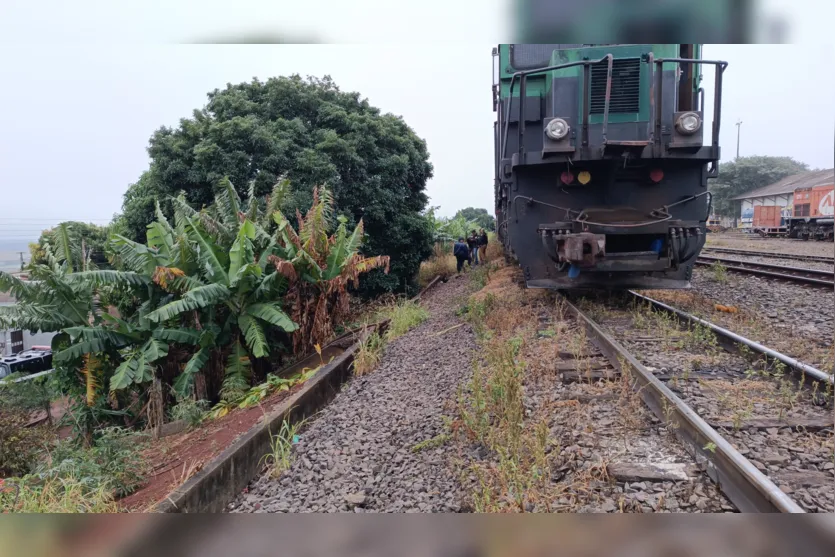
{"type": "Point", "coordinates": [491, 408]}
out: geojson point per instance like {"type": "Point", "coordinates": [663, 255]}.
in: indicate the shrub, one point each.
{"type": "Point", "coordinates": [20, 446]}
{"type": "Point", "coordinates": [54, 495]}
{"type": "Point", "coordinates": [113, 463]}
{"type": "Point", "coordinates": [190, 410]}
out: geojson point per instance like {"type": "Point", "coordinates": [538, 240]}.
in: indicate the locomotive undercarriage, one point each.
{"type": "Point", "coordinates": [620, 231]}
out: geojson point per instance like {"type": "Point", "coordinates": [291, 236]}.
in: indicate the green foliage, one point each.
{"type": "Point", "coordinates": [279, 458]}
{"type": "Point", "coordinates": [720, 272]}
{"type": "Point", "coordinates": [113, 463]}
{"type": "Point", "coordinates": [311, 132]}
{"type": "Point", "coordinates": [20, 446]}
{"type": "Point", "coordinates": [319, 269]}
{"type": "Point", "coordinates": [31, 494]}
{"type": "Point", "coordinates": [404, 315]}
{"type": "Point", "coordinates": [479, 216]}
{"type": "Point", "coordinates": [82, 245]}
{"type": "Point", "coordinates": [33, 394]}
{"type": "Point", "coordinates": [445, 230]}
{"type": "Point", "coordinates": [206, 292]}
{"type": "Point", "coordinates": [368, 354]}
{"type": "Point", "coordinates": [746, 174]}
{"type": "Point", "coordinates": [190, 410]}
{"type": "Point", "coordinates": [50, 301]}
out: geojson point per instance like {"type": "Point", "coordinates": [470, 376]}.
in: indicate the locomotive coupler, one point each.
{"type": "Point", "coordinates": [583, 249]}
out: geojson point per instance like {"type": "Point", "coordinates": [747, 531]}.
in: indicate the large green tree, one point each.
{"type": "Point", "coordinates": [307, 129]}
{"type": "Point", "coordinates": [480, 216]}
{"type": "Point", "coordinates": [746, 174]}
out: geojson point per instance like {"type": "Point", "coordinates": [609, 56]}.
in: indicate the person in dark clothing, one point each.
{"type": "Point", "coordinates": [482, 245]}
{"type": "Point", "coordinates": [461, 252]}
{"type": "Point", "coordinates": [472, 243]}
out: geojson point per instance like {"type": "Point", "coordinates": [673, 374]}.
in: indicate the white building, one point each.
{"type": "Point", "coordinates": [12, 342]}
{"type": "Point", "coordinates": [780, 194]}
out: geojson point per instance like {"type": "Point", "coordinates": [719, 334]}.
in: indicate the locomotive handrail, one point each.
{"type": "Point", "coordinates": [522, 75]}
{"type": "Point", "coordinates": [655, 94]}
{"type": "Point", "coordinates": [657, 105]}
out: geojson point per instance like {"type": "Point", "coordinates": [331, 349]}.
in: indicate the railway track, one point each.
{"type": "Point", "coordinates": [794, 274]}
{"type": "Point", "coordinates": [759, 422]}
{"type": "Point", "coordinates": [770, 254]}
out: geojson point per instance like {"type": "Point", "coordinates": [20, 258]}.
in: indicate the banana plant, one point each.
{"type": "Point", "coordinates": [319, 269]}
{"type": "Point", "coordinates": [237, 278]}
{"type": "Point", "coordinates": [141, 347]}
{"type": "Point", "coordinates": [51, 300]}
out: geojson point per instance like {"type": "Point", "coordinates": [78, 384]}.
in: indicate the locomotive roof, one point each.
{"type": "Point", "coordinates": [791, 183]}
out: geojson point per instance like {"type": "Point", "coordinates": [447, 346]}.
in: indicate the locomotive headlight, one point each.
{"type": "Point", "coordinates": [556, 129]}
{"type": "Point", "coordinates": [688, 123]}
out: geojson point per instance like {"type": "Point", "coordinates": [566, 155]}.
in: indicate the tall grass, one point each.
{"type": "Point", "coordinates": [280, 456]}
{"type": "Point", "coordinates": [404, 315]}
{"type": "Point", "coordinates": [494, 250]}
{"type": "Point", "coordinates": [55, 495]}
{"type": "Point", "coordinates": [441, 263]}
{"type": "Point", "coordinates": [368, 355]}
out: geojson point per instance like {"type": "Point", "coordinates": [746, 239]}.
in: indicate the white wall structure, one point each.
{"type": "Point", "coordinates": [29, 339]}
{"type": "Point", "coordinates": [747, 220]}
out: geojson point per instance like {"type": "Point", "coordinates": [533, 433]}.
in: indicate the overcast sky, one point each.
{"type": "Point", "coordinates": [75, 118]}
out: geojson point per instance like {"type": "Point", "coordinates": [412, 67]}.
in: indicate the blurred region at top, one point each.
{"type": "Point", "coordinates": [644, 21]}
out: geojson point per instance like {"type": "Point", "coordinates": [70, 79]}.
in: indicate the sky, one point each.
{"type": "Point", "coordinates": [77, 108]}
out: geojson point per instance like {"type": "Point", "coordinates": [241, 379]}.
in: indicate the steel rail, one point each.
{"type": "Point", "coordinates": [770, 254]}
{"type": "Point", "coordinates": [746, 487]}
{"type": "Point", "coordinates": [792, 363]}
{"type": "Point", "coordinates": [771, 266]}
{"type": "Point", "coordinates": [792, 274]}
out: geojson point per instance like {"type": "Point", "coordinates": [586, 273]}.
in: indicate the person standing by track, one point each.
{"type": "Point", "coordinates": [482, 245]}
{"type": "Point", "coordinates": [461, 251]}
{"type": "Point", "coordinates": [472, 243]}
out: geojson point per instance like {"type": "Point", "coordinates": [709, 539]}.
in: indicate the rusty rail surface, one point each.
{"type": "Point", "coordinates": [795, 365]}
{"type": "Point", "coordinates": [746, 487]}
{"type": "Point", "coordinates": [770, 254]}
{"type": "Point", "coordinates": [800, 275]}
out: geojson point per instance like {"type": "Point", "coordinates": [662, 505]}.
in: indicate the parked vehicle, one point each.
{"type": "Point", "coordinates": [26, 362]}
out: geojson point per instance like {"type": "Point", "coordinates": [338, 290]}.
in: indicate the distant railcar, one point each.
{"type": "Point", "coordinates": [813, 213]}
{"type": "Point", "coordinates": [602, 162]}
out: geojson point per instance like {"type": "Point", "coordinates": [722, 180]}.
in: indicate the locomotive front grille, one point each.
{"type": "Point", "coordinates": [626, 86]}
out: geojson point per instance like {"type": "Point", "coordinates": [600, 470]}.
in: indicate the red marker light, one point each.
{"type": "Point", "coordinates": [656, 175]}
{"type": "Point", "coordinates": [566, 178]}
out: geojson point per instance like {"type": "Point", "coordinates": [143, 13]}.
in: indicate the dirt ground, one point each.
{"type": "Point", "coordinates": [174, 459]}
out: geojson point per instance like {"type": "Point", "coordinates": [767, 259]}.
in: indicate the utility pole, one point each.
{"type": "Point", "coordinates": [22, 265]}
{"type": "Point", "coordinates": [738, 128]}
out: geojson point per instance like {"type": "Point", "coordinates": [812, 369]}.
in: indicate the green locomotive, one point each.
{"type": "Point", "coordinates": [602, 162]}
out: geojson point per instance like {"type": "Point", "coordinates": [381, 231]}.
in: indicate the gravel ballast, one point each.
{"type": "Point", "coordinates": [358, 453]}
